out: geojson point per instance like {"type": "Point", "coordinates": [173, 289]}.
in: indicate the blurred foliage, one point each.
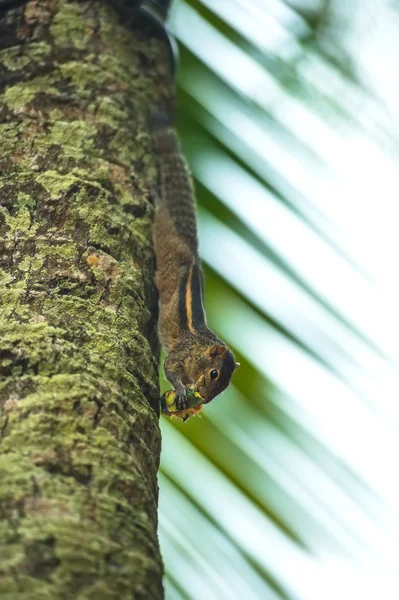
{"type": "Point", "coordinates": [284, 488]}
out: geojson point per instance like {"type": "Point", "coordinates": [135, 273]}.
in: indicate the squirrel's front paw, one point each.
{"type": "Point", "coordinates": [181, 400]}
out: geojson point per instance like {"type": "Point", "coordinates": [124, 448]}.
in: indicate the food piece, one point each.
{"type": "Point", "coordinates": [195, 403]}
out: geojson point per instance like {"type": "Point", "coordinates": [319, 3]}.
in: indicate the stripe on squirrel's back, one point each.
{"type": "Point", "coordinates": [198, 318]}
{"type": "Point", "coordinates": [183, 321]}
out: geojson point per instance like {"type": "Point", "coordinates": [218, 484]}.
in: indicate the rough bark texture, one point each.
{"type": "Point", "coordinates": [79, 442]}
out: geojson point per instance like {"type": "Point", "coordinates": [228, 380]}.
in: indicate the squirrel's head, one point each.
{"type": "Point", "coordinates": [216, 368]}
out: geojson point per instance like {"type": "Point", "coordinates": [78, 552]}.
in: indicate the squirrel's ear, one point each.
{"type": "Point", "coordinates": [220, 351]}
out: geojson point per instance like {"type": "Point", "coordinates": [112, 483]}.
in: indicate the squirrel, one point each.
{"type": "Point", "coordinates": [196, 356]}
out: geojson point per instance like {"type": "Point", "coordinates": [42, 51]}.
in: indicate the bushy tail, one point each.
{"type": "Point", "coordinates": [175, 182]}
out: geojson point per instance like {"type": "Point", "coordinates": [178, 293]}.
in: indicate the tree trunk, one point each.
{"type": "Point", "coordinates": [79, 441]}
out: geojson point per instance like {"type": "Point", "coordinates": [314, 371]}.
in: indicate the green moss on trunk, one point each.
{"type": "Point", "coordinates": [79, 441]}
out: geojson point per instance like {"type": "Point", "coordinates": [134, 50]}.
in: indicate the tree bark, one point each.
{"type": "Point", "coordinates": [79, 434]}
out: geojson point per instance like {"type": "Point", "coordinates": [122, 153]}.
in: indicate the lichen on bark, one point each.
{"type": "Point", "coordinates": [79, 435]}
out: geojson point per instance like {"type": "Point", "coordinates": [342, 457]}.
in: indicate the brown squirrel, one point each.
{"type": "Point", "coordinates": [195, 354]}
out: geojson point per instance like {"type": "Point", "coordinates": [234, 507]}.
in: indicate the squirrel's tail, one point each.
{"type": "Point", "coordinates": [175, 182]}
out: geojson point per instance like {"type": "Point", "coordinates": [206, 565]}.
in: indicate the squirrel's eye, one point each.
{"type": "Point", "coordinates": [214, 374]}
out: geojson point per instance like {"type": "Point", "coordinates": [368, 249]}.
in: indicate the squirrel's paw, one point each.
{"type": "Point", "coordinates": [181, 400]}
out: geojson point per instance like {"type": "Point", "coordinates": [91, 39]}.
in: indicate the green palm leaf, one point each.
{"type": "Point", "coordinates": [285, 488]}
